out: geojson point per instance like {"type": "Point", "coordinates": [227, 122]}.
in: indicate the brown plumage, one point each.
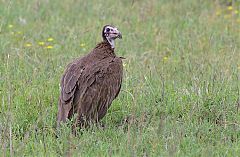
{"type": "Point", "coordinates": [90, 84]}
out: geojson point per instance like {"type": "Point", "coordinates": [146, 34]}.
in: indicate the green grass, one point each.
{"type": "Point", "coordinates": [181, 88]}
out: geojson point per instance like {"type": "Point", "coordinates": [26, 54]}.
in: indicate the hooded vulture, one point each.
{"type": "Point", "coordinates": [90, 83]}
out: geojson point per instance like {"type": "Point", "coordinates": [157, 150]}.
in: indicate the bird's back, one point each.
{"type": "Point", "coordinates": [89, 85]}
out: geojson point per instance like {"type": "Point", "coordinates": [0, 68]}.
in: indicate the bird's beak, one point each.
{"type": "Point", "coordinates": [117, 33]}
{"type": "Point", "coordinates": [120, 35]}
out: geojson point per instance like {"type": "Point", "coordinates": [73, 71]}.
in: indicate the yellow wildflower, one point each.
{"type": "Point", "coordinates": [230, 8]}
{"type": "Point", "coordinates": [218, 13]}
{"type": "Point", "coordinates": [50, 39]}
{"type": "Point", "coordinates": [49, 47]}
{"type": "Point", "coordinates": [19, 32]}
{"type": "Point", "coordinates": [41, 43]}
{"type": "Point", "coordinates": [165, 58]}
{"type": "Point", "coordinates": [10, 26]}
{"type": "Point", "coordinates": [82, 44]}
{"type": "Point", "coordinates": [28, 45]}
{"type": "Point", "coordinates": [236, 11]}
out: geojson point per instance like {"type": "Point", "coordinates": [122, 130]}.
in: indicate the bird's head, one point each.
{"type": "Point", "coordinates": [110, 33]}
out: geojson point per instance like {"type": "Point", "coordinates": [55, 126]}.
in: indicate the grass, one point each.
{"type": "Point", "coordinates": [181, 88]}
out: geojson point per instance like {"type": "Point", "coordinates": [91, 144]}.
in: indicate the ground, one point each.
{"type": "Point", "coordinates": [181, 88]}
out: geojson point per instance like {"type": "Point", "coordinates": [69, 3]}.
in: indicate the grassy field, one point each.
{"type": "Point", "coordinates": [181, 88]}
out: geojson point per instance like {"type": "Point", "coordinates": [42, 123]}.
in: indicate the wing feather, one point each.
{"type": "Point", "coordinates": [106, 84]}
{"type": "Point", "coordinates": [90, 88]}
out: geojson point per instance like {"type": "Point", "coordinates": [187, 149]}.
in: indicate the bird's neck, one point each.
{"type": "Point", "coordinates": [111, 42]}
{"type": "Point", "coordinates": [105, 48]}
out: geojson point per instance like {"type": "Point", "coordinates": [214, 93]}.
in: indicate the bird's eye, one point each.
{"type": "Point", "coordinates": [108, 29]}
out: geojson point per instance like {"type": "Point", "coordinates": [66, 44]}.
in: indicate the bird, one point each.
{"type": "Point", "coordinates": [91, 83]}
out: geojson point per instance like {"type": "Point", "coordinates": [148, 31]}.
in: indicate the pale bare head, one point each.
{"type": "Point", "coordinates": [110, 33]}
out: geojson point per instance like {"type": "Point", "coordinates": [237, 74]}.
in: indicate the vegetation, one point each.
{"type": "Point", "coordinates": [181, 88]}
